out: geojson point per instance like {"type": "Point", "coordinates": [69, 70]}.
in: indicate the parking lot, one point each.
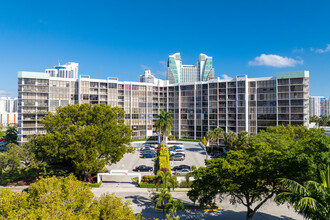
{"type": "Point", "coordinates": [195, 155]}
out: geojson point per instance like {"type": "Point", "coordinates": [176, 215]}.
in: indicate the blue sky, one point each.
{"type": "Point", "coordinates": [121, 38]}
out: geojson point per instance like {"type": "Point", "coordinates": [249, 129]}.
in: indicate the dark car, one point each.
{"type": "Point", "coordinates": [143, 168]}
{"type": "Point", "coordinates": [177, 157]}
{"type": "Point", "coordinates": [181, 167]}
{"type": "Point", "coordinates": [148, 155]}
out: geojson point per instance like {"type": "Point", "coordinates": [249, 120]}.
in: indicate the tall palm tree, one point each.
{"type": "Point", "coordinates": [164, 124]}
{"type": "Point", "coordinates": [11, 135]}
{"type": "Point", "coordinates": [166, 179]}
{"type": "Point", "coordinates": [161, 198]}
{"type": "Point", "coordinates": [230, 139]}
{"type": "Point", "coordinates": [211, 136]}
{"type": "Point", "coordinates": [174, 205]}
{"type": "Point", "coordinates": [219, 133]}
{"type": "Point", "coordinates": [312, 199]}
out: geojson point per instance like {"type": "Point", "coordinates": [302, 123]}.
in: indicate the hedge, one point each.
{"type": "Point", "coordinates": [186, 184]}
{"type": "Point", "coordinates": [163, 159]}
{"type": "Point", "coordinates": [191, 140]}
{"type": "Point", "coordinates": [95, 185]}
{"type": "Point", "coordinates": [146, 185]}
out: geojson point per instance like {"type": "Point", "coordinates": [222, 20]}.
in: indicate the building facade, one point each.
{"type": "Point", "coordinates": [319, 105]}
{"type": "Point", "coordinates": [8, 111]}
{"type": "Point", "coordinates": [178, 73]}
{"type": "Point", "coordinates": [238, 104]}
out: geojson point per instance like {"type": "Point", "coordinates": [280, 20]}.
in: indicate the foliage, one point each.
{"type": "Point", "coordinates": [186, 184]}
{"type": "Point", "coordinates": [204, 141]}
{"type": "Point", "coordinates": [211, 136]}
{"type": "Point", "coordinates": [322, 120]}
{"type": "Point", "coordinates": [86, 137]}
{"type": "Point", "coordinates": [95, 185]}
{"type": "Point", "coordinates": [171, 137]}
{"type": "Point", "coordinates": [312, 199]}
{"type": "Point", "coordinates": [11, 135]}
{"type": "Point", "coordinates": [63, 198]}
{"type": "Point", "coordinates": [164, 124]}
{"type": "Point", "coordinates": [160, 199]}
{"type": "Point", "coordinates": [190, 140]}
{"type": "Point", "coordinates": [166, 179]}
{"type": "Point", "coordinates": [163, 159]}
{"type": "Point", "coordinates": [230, 139]}
{"type": "Point", "coordinates": [147, 185]}
{"type": "Point", "coordinates": [250, 174]}
{"type": "Point", "coordinates": [219, 133]}
{"type": "Point", "coordinates": [173, 205]}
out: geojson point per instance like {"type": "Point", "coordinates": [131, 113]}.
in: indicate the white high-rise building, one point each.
{"type": "Point", "coordinates": [8, 111]}
{"type": "Point", "coordinates": [68, 70]}
{"type": "Point", "coordinates": [178, 73]}
{"type": "Point", "coordinates": [317, 105]}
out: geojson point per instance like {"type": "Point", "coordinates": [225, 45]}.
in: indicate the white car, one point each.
{"type": "Point", "coordinates": [177, 151]}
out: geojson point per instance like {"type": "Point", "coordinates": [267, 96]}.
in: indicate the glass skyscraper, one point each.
{"type": "Point", "coordinates": [178, 73]}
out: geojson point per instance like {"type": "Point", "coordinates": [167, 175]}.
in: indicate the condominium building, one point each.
{"type": "Point", "coordinates": [238, 104]}
{"type": "Point", "coordinates": [319, 105]}
{"type": "Point", "coordinates": [8, 111]}
{"type": "Point", "coordinates": [178, 73]}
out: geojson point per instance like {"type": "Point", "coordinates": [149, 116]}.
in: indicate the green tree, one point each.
{"type": "Point", "coordinates": [219, 133]}
{"type": "Point", "coordinates": [174, 205]}
{"type": "Point", "coordinates": [85, 137]}
{"type": "Point", "coordinates": [160, 199]}
{"type": "Point", "coordinates": [62, 198]}
{"type": "Point", "coordinates": [230, 139]}
{"type": "Point", "coordinates": [204, 141]}
{"type": "Point", "coordinates": [248, 176]}
{"type": "Point", "coordinates": [12, 157]}
{"type": "Point", "coordinates": [166, 179]}
{"type": "Point", "coordinates": [242, 139]}
{"type": "Point", "coordinates": [211, 136]}
{"type": "Point", "coordinates": [312, 199]}
{"type": "Point", "coordinates": [164, 124]}
{"type": "Point", "coordinates": [11, 135]}
{"type": "Point", "coordinates": [323, 121]}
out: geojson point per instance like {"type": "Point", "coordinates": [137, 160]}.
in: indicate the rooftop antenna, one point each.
{"type": "Point", "coordinates": [58, 61]}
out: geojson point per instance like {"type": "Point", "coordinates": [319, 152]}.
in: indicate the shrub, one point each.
{"type": "Point", "coordinates": [191, 140]}
{"type": "Point", "coordinates": [171, 138]}
{"type": "Point", "coordinates": [95, 185]}
{"type": "Point", "coordinates": [146, 185]}
{"type": "Point", "coordinates": [163, 159]}
{"type": "Point", "coordinates": [186, 184]}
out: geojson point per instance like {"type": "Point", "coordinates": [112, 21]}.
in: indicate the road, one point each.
{"type": "Point", "coordinates": [141, 199]}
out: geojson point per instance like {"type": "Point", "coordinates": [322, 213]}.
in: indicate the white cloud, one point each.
{"type": "Point", "coordinates": [144, 67]}
{"type": "Point", "coordinates": [298, 50]}
{"type": "Point", "coordinates": [226, 77]}
{"type": "Point", "coordinates": [274, 61]}
{"type": "Point", "coordinates": [163, 63]}
{"type": "Point", "coordinates": [327, 49]}
{"type": "Point", "coordinates": [4, 93]}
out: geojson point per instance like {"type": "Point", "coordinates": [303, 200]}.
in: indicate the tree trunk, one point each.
{"type": "Point", "coordinates": [164, 141]}
{"type": "Point", "coordinates": [250, 213]}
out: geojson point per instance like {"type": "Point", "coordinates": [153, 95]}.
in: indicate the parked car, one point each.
{"type": "Point", "coordinates": [147, 148]}
{"type": "Point", "coordinates": [177, 151]}
{"type": "Point", "coordinates": [181, 167]}
{"type": "Point", "coordinates": [175, 148]}
{"type": "Point", "coordinates": [182, 172]}
{"type": "Point", "coordinates": [177, 157]}
{"type": "Point", "coordinates": [148, 151]}
{"type": "Point", "coordinates": [148, 154]}
{"type": "Point", "coordinates": [143, 168]}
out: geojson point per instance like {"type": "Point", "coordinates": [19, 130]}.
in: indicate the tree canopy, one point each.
{"type": "Point", "coordinates": [164, 124]}
{"type": "Point", "coordinates": [249, 174]}
{"type": "Point", "coordinates": [86, 137]}
{"type": "Point", "coordinates": [62, 198]}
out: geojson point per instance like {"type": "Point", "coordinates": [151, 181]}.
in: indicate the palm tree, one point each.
{"type": "Point", "coordinates": [174, 205]}
{"type": "Point", "coordinates": [166, 179]}
{"type": "Point", "coordinates": [219, 133]}
{"type": "Point", "coordinates": [161, 198]}
{"type": "Point", "coordinates": [11, 135]}
{"type": "Point", "coordinates": [164, 124]}
{"type": "Point", "coordinates": [312, 199]}
{"type": "Point", "coordinates": [230, 139]}
{"type": "Point", "coordinates": [211, 136]}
